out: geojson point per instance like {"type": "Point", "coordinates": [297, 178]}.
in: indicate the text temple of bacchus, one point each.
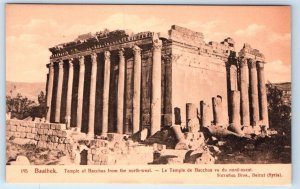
{"type": "Point", "coordinates": [119, 82]}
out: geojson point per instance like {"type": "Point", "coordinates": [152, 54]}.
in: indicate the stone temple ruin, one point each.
{"type": "Point", "coordinates": [112, 85]}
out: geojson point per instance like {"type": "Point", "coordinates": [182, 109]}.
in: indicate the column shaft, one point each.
{"type": "Point", "coordinates": [92, 95]}
{"type": "Point", "coordinates": [233, 78]}
{"type": "Point", "coordinates": [80, 93]}
{"type": "Point", "coordinates": [69, 93]}
{"type": "Point", "coordinates": [254, 92]}
{"type": "Point", "coordinates": [244, 79]}
{"type": "Point", "coordinates": [235, 107]}
{"type": "Point", "coordinates": [137, 69]}
{"type": "Point", "coordinates": [121, 86]}
{"type": "Point", "coordinates": [263, 94]}
{"type": "Point", "coordinates": [49, 91]}
{"type": "Point", "coordinates": [217, 110]}
{"type": "Point", "coordinates": [205, 110]}
{"type": "Point", "coordinates": [156, 88]}
{"type": "Point", "coordinates": [106, 92]}
{"type": "Point", "coordinates": [59, 91]}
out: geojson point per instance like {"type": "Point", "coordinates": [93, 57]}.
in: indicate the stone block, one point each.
{"type": "Point", "coordinates": [28, 129]}
{"type": "Point", "coordinates": [49, 132]}
{"type": "Point", "coordinates": [55, 139]}
{"type": "Point", "coordinates": [61, 140]}
{"type": "Point", "coordinates": [17, 134]}
{"type": "Point", "coordinates": [36, 137]}
{"type": "Point", "coordinates": [8, 122]}
{"type": "Point", "coordinates": [34, 130]}
{"type": "Point", "coordinates": [40, 131]}
{"type": "Point", "coordinates": [8, 127]}
{"type": "Point", "coordinates": [61, 147]}
{"type": "Point", "coordinates": [64, 134]}
{"type": "Point", "coordinates": [23, 135]}
{"type": "Point", "coordinates": [46, 131]}
{"type": "Point", "coordinates": [54, 133]}
{"type": "Point", "coordinates": [37, 125]}
{"type": "Point", "coordinates": [114, 137]}
{"type": "Point", "coordinates": [93, 151]}
{"type": "Point", "coordinates": [55, 144]}
{"type": "Point", "coordinates": [89, 156]}
{"type": "Point", "coordinates": [95, 158]}
{"type": "Point", "coordinates": [9, 134]}
{"type": "Point", "coordinates": [60, 127]}
{"type": "Point", "coordinates": [67, 141]}
{"type": "Point", "coordinates": [53, 126]}
{"type": "Point", "coordinates": [28, 135]}
{"type": "Point", "coordinates": [13, 128]}
{"type": "Point", "coordinates": [50, 145]}
{"type": "Point", "coordinates": [31, 124]}
{"type": "Point", "coordinates": [205, 158]}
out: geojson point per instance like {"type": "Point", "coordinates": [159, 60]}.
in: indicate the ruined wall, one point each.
{"type": "Point", "coordinates": [43, 135]}
{"type": "Point", "coordinates": [195, 78]}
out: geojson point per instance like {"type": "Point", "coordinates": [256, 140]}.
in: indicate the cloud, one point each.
{"type": "Point", "coordinates": [277, 71]}
{"type": "Point", "coordinates": [277, 37]}
{"type": "Point", "coordinates": [251, 30]}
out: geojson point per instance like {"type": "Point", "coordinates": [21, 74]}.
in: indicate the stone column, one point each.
{"type": "Point", "coordinates": [156, 88]}
{"type": "Point", "coordinates": [235, 120]}
{"type": "Point", "coordinates": [80, 93]}
{"type": "Point", "coordinates": [59, 90]}
{"type": "Point", "coordinates": [235, 106]}
{"type": "Point", "coordinates": [92, 96]}
{"type": "Point", "coordinates": [121, 86]}
{"type": "Point", "coordinates": [106, 92]}
{"type": "Point", "coordinates": [244, 79]}
{"type": "Point", "coordinates": [263, 94]}
{"type": "Point", "coordinates": [233, 78]}
{"type": "Point", "coordinates": [205, 118]}
{"type": "Point", "coordinates": [254, 92]}
{"type": "Point", "coordinates": [49, 91]}
{"type": "Point", "coordinates": [69, 93]}
{"type": "Point", "coordinates": [217, 110]}
{"type": "Point", "coordinates": [137, 70]}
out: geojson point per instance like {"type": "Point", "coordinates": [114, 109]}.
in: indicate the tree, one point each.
{"type": "Point", "coordinates": [279, 111]}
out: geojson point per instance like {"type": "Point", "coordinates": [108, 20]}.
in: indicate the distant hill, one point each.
{"type": "Point", "coordinates": [30, 90]}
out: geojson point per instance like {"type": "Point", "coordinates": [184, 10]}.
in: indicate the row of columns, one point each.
{"type": "Point", "coordinates": [251, 74]}
{"type": "Point", "coordinates": [137, 70]}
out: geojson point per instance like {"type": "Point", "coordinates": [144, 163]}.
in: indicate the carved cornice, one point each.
{"type": "Point", "coordinates": [97, 41]}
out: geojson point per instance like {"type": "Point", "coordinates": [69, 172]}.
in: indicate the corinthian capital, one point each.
{"type": "Point", "coordinates": [60, 64]}
{"type": "Point", "coordinates": [251, 63]}
{"type": "Point", "coordinates": [121, 53]}
{"type": "Point", "coordinates": [81, 60]}
{"type": "Point", "coordinates": [94, 57]}
{"type": "Point", "coordinates": [107, 55]}
{"type": "Point", "coordinates": [260, 64]}
{"type": "Point", "coordinates": [136, 49]}
{"type": "Point", "coordinates": [157, 44]}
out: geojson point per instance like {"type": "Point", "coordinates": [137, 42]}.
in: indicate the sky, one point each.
{"type": "Point", "coordinates": [32, 29]}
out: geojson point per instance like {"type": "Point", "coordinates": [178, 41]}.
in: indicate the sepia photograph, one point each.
{"type": "Point", "coordinates": [148, 85]}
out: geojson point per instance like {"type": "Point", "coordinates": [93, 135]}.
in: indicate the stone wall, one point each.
{"type": "Point", "coordinates": [43, 135]}
{"type": "Point", "coordinates": [195, 78]}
